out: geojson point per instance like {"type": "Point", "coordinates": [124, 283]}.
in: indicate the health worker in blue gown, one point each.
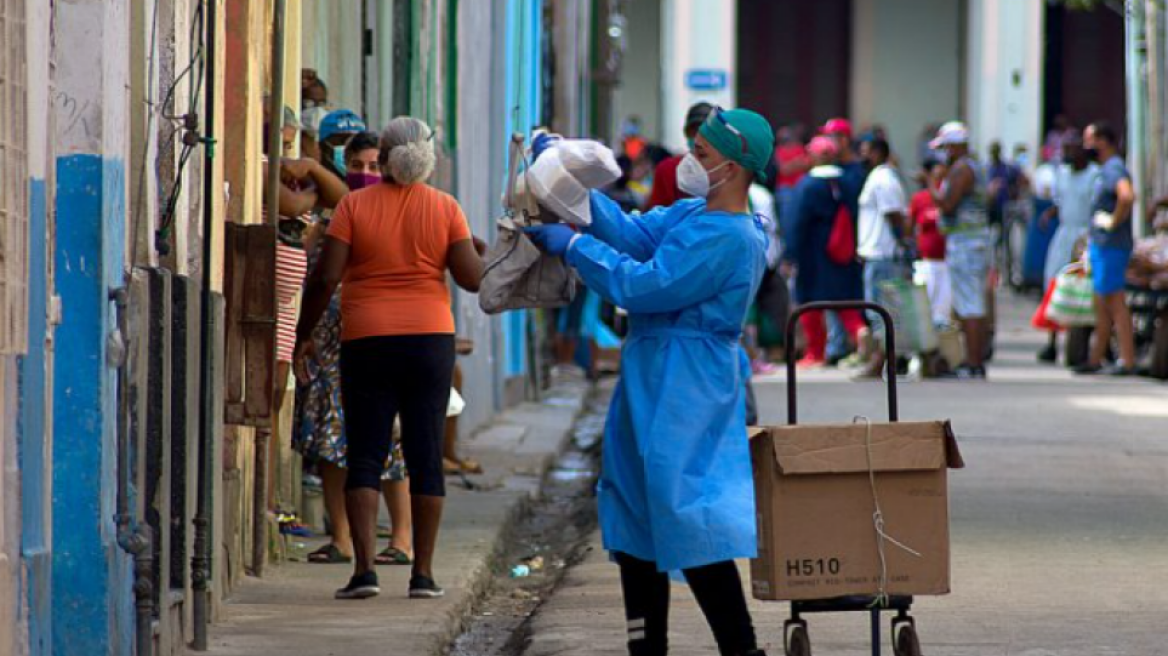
{"type": "Point", "coordinates": [676, 490]}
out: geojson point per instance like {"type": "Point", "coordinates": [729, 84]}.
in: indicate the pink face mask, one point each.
{"type": "Point", "coordinates": [361, 180]}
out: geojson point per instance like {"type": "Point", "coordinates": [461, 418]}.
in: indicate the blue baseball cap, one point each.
{"type": "Point", "coordinates": [341, 121]}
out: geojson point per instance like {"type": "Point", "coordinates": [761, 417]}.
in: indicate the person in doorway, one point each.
{"type": "Point", "coordinates": [817, 277]}
{"type": "Point", "coordinates": [334, 132]}
{"type": "Point", "coordinates": [393, 243]}
{"type": "Point", "coordinates": [318, 428]}
{"type": "Point", "coordinates": [665, 191]}
{"type": "Point", "coordinates": [883, 225]}
{"type": "Point", "coordinates": [1110, 251]}
{"type": "Point", "coordinates": [1073, 192]}
{"type": "Point", "coordinates": [675, 492]}
{"type": "Point", "coordinates": [961, 200]}
{"type": "Point", "coordinates": [931, 243]}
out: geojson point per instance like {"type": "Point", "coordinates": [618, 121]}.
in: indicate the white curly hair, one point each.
{"type": "Point", "coordinates": [407, 151]}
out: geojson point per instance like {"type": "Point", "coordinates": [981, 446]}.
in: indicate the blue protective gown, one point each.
{"type": "Point", "coordinates": [676, 486]}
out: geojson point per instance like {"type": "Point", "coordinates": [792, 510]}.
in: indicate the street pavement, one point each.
{"type": "Point", "coordinates": [291, 611]}
{"type": "Point", "coordinates": [1059, 520]}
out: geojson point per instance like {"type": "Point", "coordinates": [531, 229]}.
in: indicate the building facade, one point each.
{"type": "Point", "coordinates": [131, 149]}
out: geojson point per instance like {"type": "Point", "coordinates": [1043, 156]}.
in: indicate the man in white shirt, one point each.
{"type": "Point", "coordinates": [883, 223]}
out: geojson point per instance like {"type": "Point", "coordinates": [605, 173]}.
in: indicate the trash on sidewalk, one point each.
{"type": "Point", "coordinates": [520, 571]}
{"type": "Point", "coordinates": [846, 508]}
{"type": "Point", "coordinates": [290, 524]}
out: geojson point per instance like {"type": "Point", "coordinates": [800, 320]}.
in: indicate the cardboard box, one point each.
{"type": "Point", "coordinates": [817, 535]}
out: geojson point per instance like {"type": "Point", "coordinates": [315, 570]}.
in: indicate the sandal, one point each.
{"type": "Point", "coordinates": [471, 467]}
{"type": "Point", "coordinates": [329, 554]}
{"type": "Point", "coordinates": [393, 556]}
{"type": "Point", "coordinates": [461, 466]}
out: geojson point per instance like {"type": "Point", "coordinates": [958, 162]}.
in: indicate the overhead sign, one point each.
{"type": "Point", "coordinates": [706, 79]}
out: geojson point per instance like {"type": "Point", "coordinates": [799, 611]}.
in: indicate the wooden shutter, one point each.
{"type": "Point", "coordinates": [250, 349]}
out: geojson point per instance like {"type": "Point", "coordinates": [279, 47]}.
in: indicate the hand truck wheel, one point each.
{"type": "Point", "coordinates": [904, 637]}
{"type": "Point", "coordinates": [796, 641]}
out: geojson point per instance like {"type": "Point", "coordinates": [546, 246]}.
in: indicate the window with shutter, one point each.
{"type": "Point", "coordinates": [13, 180]}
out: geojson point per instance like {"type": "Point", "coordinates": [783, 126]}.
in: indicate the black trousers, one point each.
{"type": "Point", "coordinates": [718, 589]}
{"type": "Point", "coordinates": [382, 377]}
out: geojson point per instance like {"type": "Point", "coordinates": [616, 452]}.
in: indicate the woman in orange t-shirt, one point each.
{"type": "Point", "coordinates": [392, 244]}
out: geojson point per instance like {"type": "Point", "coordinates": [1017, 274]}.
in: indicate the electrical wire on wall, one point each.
{"type": "Point", "coordinates": [187, 124]}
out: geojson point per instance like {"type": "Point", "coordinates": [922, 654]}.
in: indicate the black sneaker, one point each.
{"type": "Point", "coordinates": [1087, 369]}
{"type": "Point", "coordinates": [1048, 354]}
{"type": "Point", "coordinates": [424, 587]}
{"type": "Point", "coordinates": [361, 586]}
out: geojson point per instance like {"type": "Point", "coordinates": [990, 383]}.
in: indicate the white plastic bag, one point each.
{"type": "Point", "coordinates": [456, 404]}
{"type": "Point", "coordinates": [562, 176]}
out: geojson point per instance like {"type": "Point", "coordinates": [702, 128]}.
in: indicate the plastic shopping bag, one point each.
{"type": "Point", "coordinates": [1041, 319]}
{"type": "Point", "coordinates": [1072, 303]}
{"type": "Point", "coordinates": [456, 404]}
{"type": "Point", "coordinates": [911, 315]}
{"type": "Point", "coordinates": [564, 173]}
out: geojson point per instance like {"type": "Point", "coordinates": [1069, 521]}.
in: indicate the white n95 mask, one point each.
{"type": "Point", "coordinates": [694, 179]}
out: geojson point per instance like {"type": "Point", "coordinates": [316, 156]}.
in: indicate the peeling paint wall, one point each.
{"type": "Point", "coordinates": [92, 609]}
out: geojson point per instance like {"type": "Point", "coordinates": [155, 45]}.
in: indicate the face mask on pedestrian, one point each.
{"type": "Point", "coordinates": [1092, 154]}
{"type": "Point", "coordinates": [360, 180]}
{"type": "Point", "coordinates": [339, 159]}
{"type": "Point", "coordinates": [694, 179]}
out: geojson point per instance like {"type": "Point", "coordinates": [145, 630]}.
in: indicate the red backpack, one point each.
{"type": "Point", "coordinates": [841, 244]}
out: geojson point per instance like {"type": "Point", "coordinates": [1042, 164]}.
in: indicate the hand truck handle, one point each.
{"type": "Point", "coordinates": [889, 351]}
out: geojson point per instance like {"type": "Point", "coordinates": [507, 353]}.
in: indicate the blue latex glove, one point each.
{"type": "Point", "coordinates": [552, 239]}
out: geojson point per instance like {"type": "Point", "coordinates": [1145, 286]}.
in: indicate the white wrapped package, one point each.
{"type": "Point", "coordinates": [561, 177]}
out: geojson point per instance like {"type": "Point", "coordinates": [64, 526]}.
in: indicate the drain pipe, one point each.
{"type": "Point", "coordinates": [201, 558]}
{"type": "Point", "coordinates": [133, 537]}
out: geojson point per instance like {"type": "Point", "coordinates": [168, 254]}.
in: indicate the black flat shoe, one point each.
{"type": "Point", "coordinates": [361, 586]}
{"type": "Point", "coordinates": [424, 587]}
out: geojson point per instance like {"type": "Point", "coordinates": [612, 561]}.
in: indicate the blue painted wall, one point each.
{"type": "Point", "coordinates": [31, 434]}
{"type": "Point", "coordinates": [522, 83]}
{"type": "Point", "coordinates": [91, 600]}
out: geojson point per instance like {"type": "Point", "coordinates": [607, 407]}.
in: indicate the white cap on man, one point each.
{"type": "Point", "coordinates": [952, 133]}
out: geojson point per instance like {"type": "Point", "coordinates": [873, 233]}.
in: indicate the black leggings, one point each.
{"type": "Point", "coordinates": [382, 377]}
{"type": "Point", "coordinates": [718, 589]}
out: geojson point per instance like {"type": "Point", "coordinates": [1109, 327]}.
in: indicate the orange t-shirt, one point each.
{"type": "Point", "coordinates": [395, 281]}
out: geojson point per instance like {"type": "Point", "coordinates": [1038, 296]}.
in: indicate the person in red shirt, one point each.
{"type": "Point", "coordinates": [931, 243]}
{"type": "Point", "coordinates": [791, 156]}
{"type": "Point", "coordinates": [665, 191]}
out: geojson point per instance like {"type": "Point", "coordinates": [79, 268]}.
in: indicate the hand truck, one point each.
{"type": "Point", "coordinates": [796, 640]}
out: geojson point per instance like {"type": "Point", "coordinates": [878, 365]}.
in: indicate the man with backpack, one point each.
{"type": "Point", "coordinates": [821, 248]}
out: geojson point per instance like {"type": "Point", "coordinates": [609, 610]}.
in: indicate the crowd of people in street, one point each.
{"type": "Point", "coordinates": [705, 252]}
{"type": "Point", "coordinates": [951, 236]}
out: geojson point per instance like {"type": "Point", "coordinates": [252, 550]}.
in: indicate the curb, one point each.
{"type": "Point", "coordinates": [571, 396]}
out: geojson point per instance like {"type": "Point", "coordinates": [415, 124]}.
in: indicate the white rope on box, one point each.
{"type": "Point", "coordinates": [878, 521]}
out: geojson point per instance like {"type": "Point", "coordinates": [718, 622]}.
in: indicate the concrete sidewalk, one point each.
{"type": "Point", "coordinates": [292, 610]}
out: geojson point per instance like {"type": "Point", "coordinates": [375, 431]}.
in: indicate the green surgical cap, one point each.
{"type": "Point", "coordinates": [755, 154]}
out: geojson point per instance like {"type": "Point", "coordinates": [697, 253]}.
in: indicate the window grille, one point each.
{"type": "Point", "coordinates": [13, 179]}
